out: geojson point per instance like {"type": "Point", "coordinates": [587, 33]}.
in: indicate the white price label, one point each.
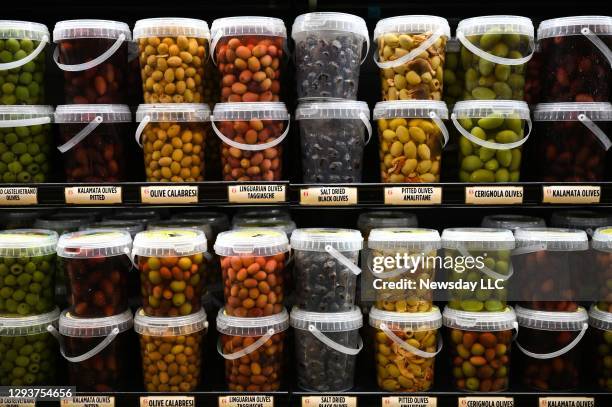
{"type": "Point", "coordinates": [413, 195]}
{"type": "Point", "coordinates": [571, 194]}
{"type": "Point", "coordinates": [10, 196]}
{"type": "Point", "coordinates": [256, 193]}
{"type": "Point", "coordinates": [328, 196]}
{"type": "Point", "coordinates": [97, 195]}
{"type": "Point", "coordinates": [169, 194]}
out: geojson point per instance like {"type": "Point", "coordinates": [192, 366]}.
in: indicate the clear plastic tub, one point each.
{"type": "Point", "coordinates": [602, 254]}
{"type": "Point", "coordinates": [326, 268]}
{"type": "Point", "coordinates": [132, 227]}
{"type": "Point", "coordinates": [328, 54]}
{"type": "Point", "coordinates": [253, 269]}
{"type": "Point", "coordinates": [22, 62]}
{"type": "Point", "coordinates": [512, 222]}
{"type": "Point", "coordinates": [572, 141]}
{"type": "Point", "coordinates": [600, 323]}
{"type": "Point", "coordinates": [27, 271]}
{"type": "Point", "coordinates": [96, 350]}
{"type": "Point", "coordinates": [285, 226]}
{"type": "Point", "coordinates": [411, 135]}
{"type": "Point", "coordinates": [173, 140]}
{"type": "Point", "coordinates": [385, 219]}
{"type": "Point", "coordinates": [333, 135]}
{"type": "Point", "coordinates": [97, 264]}
{"type": "Point", "coordinates": [172, 268]}
{"type": "Point", "coordinates": [94, 139]}
{"type": "Point", "coordinates": [480, 348]}
{"type": "Point", "coordinates": [406, 345]}
{"type": "Point", "coordinates": [171, 350]}
{"type": "Point", "coordinates": [490, 267]}
{"type": "Point", "coordinates": [173, 55]}
{"type": "Point", "coordinates": [491, 138]}
{"type": "Point", "coordinates": [411, 54]}
{"type": "Point", "coordinates": [550, 348]}
{"type": "Point", "coordinates": [454, 74]}
{"type": "Point", "coordinates": [251, 135]}
{"type": "Point", "coordinates": [26, 143]}
{"type": "Point", "coordinates": [249, 53]}
{"type": "Point", "coordinates": [253, 351]}
{"type": "Point", "coordinates": [577, 58]}
{"type": "Point", "coordinates": [201, 225]}
{"type": "Point", "coordinates": [494, 54]}
{"type": "Point", "coordinates": [581, 219]}
{"type": "Point", "coordinates": [29, 352]}
{"type": "Point", "coordinates": [94, 57]}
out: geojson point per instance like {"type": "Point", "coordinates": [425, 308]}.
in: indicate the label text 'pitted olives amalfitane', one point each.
{"type": "Point", "coordinates": [409, 401]}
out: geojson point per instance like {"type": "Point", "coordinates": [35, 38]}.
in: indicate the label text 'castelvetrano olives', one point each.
{"type": "Point", "coordinates": [18, 196]}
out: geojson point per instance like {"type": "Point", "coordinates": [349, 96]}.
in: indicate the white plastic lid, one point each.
{"type": "Point", "coordinates": [551, 320]}
{"type": "Point", "coordinates": [23, 30]}
{"type": "Point", "coordinates": [174, 112]}
{"type": "Point", "coordinates": [331, 109]}
{"type": "Point", "coordinates": [385, 219]}
{"type": "Point", "coordinates": [252, 242]}
{"type": "Point", "coordinates": [248, 25]}
{"type": "Point", "coordinates": [406, 321]}
{"type": "Point", "coordinates": [94, 243]}
{"type": "Point", "coordinates": [326, 21]}
{"type": "Point", "coordinates": [182, 223]}
{"type": "Point", "coordinates": [483, 108]}
{"type": "Point", "coordinates": [512, 222]}
{"type": "Point", "coordinates": [478, 238]}
{"type": "Point", "coordinates": [258, 326]}
{"type": "Point", "coordinates": [453, 45]}
{"type": "Point", "coordinates": [327, 321]}
{"type": "Point", "coordinates": [558, 239]}
{"type": "Point", "coordinates": [597, 319]}
{"type": "Point", "coordinates": [27, 242]}
{"type": "Point", "coordinates": [497, 24]}
{"type": "Point", "coordinates": [569, 111]}
{"type": "Point", "coordinates": [580, 219]}
{"type": "Point", "coordinates": [602, 238]}
{"type": "Point", "coordinates": [316, 240]}
{"type": "Point", "coordinates": [21, 112]}
{"type": "Point", "coordinates": [404, 238]}
{"type": "Point", "coordinates": [479, 321]}
{"type": "Point", "coordinates": [565, 26]}
{"type": "Point", "coordinates": [169, 242]}
{"type": "Point", "coordinates": [56, 224]}
{"type": "Point", "coordinates": [88, 113]}
{"type": "Point", "coordinates": [72, 326]}
{"type": "Point", "coordinates": [171, 27]}
{"type": "Point", "coordinates": [250, 110]}
{"type": "Point", "coordinates": [70, 29]}
{"type": "Point", "coordinates": [169, 326]}
{"type": "Point", "coordinates": [218, 221]}
{"type": "Point", "coordinates": [131, 227]}
{"type": "Point", "coordinates": [258, 214]}
{"type": "Point", "coordinates": [414, 24]}
{"type": "Point", "coordinates": [409, 108]}
{"type": "Point", "coordinates": [32, 325]}
{"type": "Point", "coordinates": [286, 226]}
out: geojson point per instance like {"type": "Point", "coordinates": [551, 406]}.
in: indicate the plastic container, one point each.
{"type": "Point", "coordinates": [96, 350]}
{"type": "Point", "coordinates": [178, 342]}
{"type": "Point", "coordinates": [94, 138]}
{"type": "Point", "coordinates": [96, 263]}
{"type": "Point", "coordinates": [600, 323]}
{"type": "Point", "coordinates": [454, 74]}
{"type": "Point", "coordinates": [333, 136]}
{"type": "Point", "coordinates": [581, 219]}
{"type": "Point", "coordinates": [253, 350]}
{"type": "Point", "coordinates": [249, 53]}
{"type": "Point", "coordinates": [328, 53]}
{"type": "Point", "coordinates": [385, 219]}
{"type": "Point", "coordinates": [411, 54]}
{"type": "Point", "coordinates": [172, 137]}
{"type": "Point", "coordinates": [480, 346]}
{"type": "Point", "coordinates": [572, 141]}
{"type": "Point", "coordinates": [94, 57]}
{"type": "Point", "coordinates": [491, 138]}
{"type": "Point", "coordinates": [131, 227]}
{"type": "Point", "coordinates": [253, 270]}
{"type": "Point", "coordinates": [576, 58]}
{"type": "Point", "coordinates": [494, 54]}
{"type": "Point", "coordinates": [411, 135]}
{"type": "Point", "coordinates": [29, 352]}
{"type": "Point", "coordinates": [202, 226]}
{"type": "Point", "coordinates": [259, 214]}
{"type": "Point", "coordinates": [550, 348]}
{"type": "Point", "coordinates": [512, 222]}
{"type": "Point", "coordinates": [27, 267]}
{"type": "Point", "coordinates": [326, 268]}
{"type": "Point", "coordinates": [26, 137]}
{"type": "Point", "coordinates": [602, 254]}
{"type": "Point", "coordinates": [285, 226]}
{"type": "Point", "coordinates": [172, 269]}
{"type": "Point", "coordinates": [173, 53]}
{"type": "Point", "coordinates": [404, 246]}
{"type": "Point", "coordinates": [326, 348]}
{"type": "Point", "coordinates": [218, 221]}
{"type": "Point", "coordinates": [251, 135]}
{"type": "Point", "coordinates": [406, 345]}
{"type": "Point", "coordinates": [480, 255]}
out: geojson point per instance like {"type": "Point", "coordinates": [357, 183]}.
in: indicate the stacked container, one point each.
{"type": "Point", "coordinates": [600, 322]}
{"type": "Point", "coordinates": [601, 246]}
{"type": "Point", "coordinates": [512, 222]}
{"type": "Point", "coordinates": [385, 219]}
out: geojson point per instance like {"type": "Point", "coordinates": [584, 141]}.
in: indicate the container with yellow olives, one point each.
{"type": "Point", "coordinates": [602, 254]}
{"type": "Point", "coordinates": [600, 322]}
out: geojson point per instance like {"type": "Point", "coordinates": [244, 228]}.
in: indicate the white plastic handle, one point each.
{"type": "Point", "coordinates": [487, 271]}
{"type": "Point", "coordinates": [406, 346]}
{"type": "Point", "coordinates": [141, 126]}
{"type": "Point", "coordinates": [213, 45]}
{"type": "Point", "coordinates": [87, 355]}
{"type": "Point", "coordinates": [438, 121]}
{"type": "Point", "coordinates": [346, 262]}
{"type": "Point", "coordinates": [365, 56]}
{"type": "Point", "coordinates": [333, 344]}
{"type": "Point", "coordinates": [367, 124]}
{"type": "Point", "coordinates": [86, 131]}
{"type": "Point", "coordinates": [489, 144]}
{"type": "Point", "coordinates": [601, 46]}
{"type": "Point", "coordinates": [412, 54]}
{"type": "Point", "coordinates": [16, 64]}
{"type": "Point", "coordinates": [559, 352]}
{"type": "Point", "coordinates": [89, 64]}
{"type": "Point", "coordinates": [248, 350]}
{"type": "Point", "coordinates": [596, 130]}
{"type": "Point", "coordinates": [250, 147]}
{"type": "Point", "coordinates": [494, 58]}
{"type": "Point", "coordinates": [25, 122]}
{"type": "Point", "coordinates": [536, 247]}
